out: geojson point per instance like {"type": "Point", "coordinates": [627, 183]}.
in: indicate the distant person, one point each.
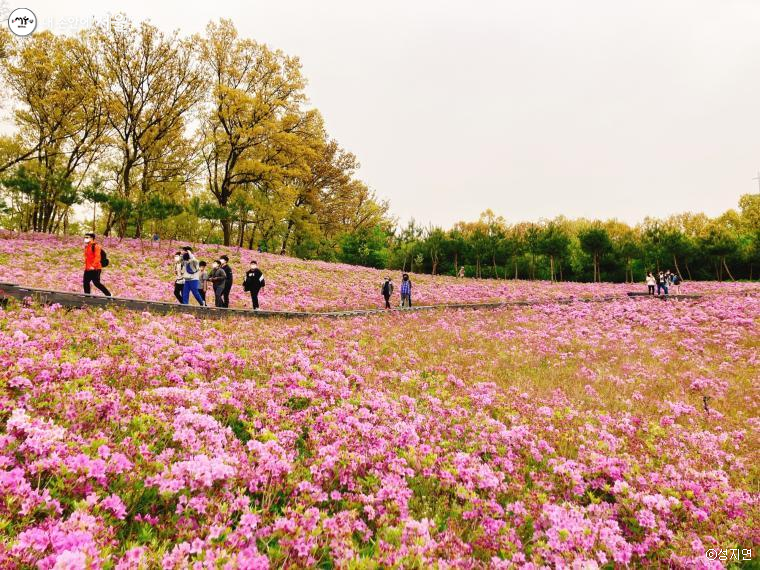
{"type": "Point", "coordinates": [254, 281]}
{"type": "Point", "coordinates": [218, 280]}
{"type": "Point", "coordinates": [259, 248]}
{"type": "Point", "coordinates": [677, 284]}
{"type": "Point", "coordinates": [93, 264]}
{"type": "Point", "coordinates": [387, 290]}
{"type": "Point", "coordinates": [665, 281]}
{"type": "Point", "coordinates": [659, 278]}
{"type": "Point", "coordinates": [191, 275]}
{"type": "Point", "coordinates": [179, 281]}
{"type": "Point", "coordinates": [460, 275]}
{"type": "Point", "coordinates": [156, 239]}
{"type": "Point", "coordinates": [650, 283]}
{"type": "Point", "coordinates": [225, 264]}
{"type": "Point", "coordinates": [406, 291]}
{"type": "Point", "coordinates": [203, 280]}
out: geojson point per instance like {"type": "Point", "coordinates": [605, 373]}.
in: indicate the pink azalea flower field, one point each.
{"type": "Point", "coordinates": [145, 271]}
{"type": "Point", "coordinates": [585, 435]}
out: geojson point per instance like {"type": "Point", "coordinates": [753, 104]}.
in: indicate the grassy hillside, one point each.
{"type": "Point", "coordinates": [142, 270]}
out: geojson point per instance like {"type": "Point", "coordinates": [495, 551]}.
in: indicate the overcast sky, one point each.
{"type": "Point", "coordinates": [533, 108]}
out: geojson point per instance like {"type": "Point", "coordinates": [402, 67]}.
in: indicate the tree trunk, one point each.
{"type": "Point", "coordinates": [226, 231]}
{"type": "Point", "coordinates": [675, 262]}
{"type": "Point", "coordinates": [551, 266]}
{"type": "Point", "coordinates": [516, 269]}
{"type": "Point", "coordinates": [456, 262]}
{"type": "Point", "coordinates": [688, 272]}
{"type": "Point", "coordinates": [727, 269]}
{"type": "Point", "coordinates": [287, 236]}
{"type": "Point", "coordinates": [242, 233]}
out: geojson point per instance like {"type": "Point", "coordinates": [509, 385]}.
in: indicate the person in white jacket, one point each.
{"type": "Point", "coordinates": [191, 275]}
{"type": "Point", "coordinates": [650, 283]}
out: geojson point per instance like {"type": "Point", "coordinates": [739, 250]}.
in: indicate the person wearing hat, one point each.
{"type": "Point", "coordinates": [191, 276]}
{"type": "Point", "coordinates": [93, 264]}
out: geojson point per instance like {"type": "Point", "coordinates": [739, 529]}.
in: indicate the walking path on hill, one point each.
{"type": "Point", "coordinates": [79, 300]}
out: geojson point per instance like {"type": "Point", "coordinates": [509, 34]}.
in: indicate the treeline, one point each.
{"type": "Point", "coordinates": [128, 131]}
{"type": "Point", "coordinates": [209, 137]}
{"type": "Point", "coordinates": [692, 245]}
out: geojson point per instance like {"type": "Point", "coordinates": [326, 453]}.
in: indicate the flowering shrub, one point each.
{"type": "Point", "coordinates": [549, 436]}
{"type": "Point", "coordinates": [145, 271]}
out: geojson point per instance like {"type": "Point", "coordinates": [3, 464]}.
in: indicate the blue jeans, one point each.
{"type": "Point", "coordinates": [191, 285]}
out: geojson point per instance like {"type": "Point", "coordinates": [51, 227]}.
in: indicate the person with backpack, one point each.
{"type": "Point", "coordinates": [406, 291]}
{"type": "Point", "coordinates": [218, 278]}
{"type": "Point", "coordinates": [677, 283]}
{"type": "Point", "coordinates": [95, 260]}
{"type": "Point", "coordinates": [254, 281]}
{"type": "Point", "coordinates": [225, 264]}
{"type": "Point", "coordinates": [650, 283]}
{"type": "Point", "coordinates": [191, 275]}
{"type": "Point", "coordinates": [179, 281]}
{"type": "Point", "coordinates": [387, 291]}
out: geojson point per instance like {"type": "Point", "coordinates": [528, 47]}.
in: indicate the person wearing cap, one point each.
{"type": "Point", "coordinates": [191, 276]}
{"type": "Point", "coordinates": [225, 261]}
{"type": "Point", "coordinates": [93, 265]}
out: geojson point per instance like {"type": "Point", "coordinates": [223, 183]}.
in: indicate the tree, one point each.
{"type": "Point", "coordinates": [553, 242]}
{"type": "Point", "coordinates": [255, 132]}
{"type": "Point", "coordinates": [595, 241]}
{"type": "Point", "coordinates": [150, 85]}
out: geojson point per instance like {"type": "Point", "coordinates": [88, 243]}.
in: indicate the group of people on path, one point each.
{"type": "Point", "coordinates": [191, 276]}
{"type": "Point", "coordinates": [663, 280]}
{"type": "Point", "coordinates": [406, 291]}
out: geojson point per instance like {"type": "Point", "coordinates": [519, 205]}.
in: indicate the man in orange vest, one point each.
{"type": "Point", "coordinates": [93, 265]}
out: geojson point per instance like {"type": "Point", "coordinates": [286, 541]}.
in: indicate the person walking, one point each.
{"type": "Point", "coordinates": [460, 275]}
{"type": "Point", "coordinates": [218, 279]}
{"type": "Point", "coordinates": [650, 283]}
{"type": "Point", "coordinates": [191, 275]}
{"type": "Point", "coordinates": [406, 291]}
{"type": "Point", "coordinates": [179, 281]}
{"type": "Point", "coordinates": [93, 265]}
{"type": "Point", "coordinates": [677, 284]}
{"type": "Point", "coordinates": [254, 281]}
{"type": "Point", "coordinates": [387, 290]}
{"type": "Point", "coordinates": [203, 280]}
{"type": "Point", "coordinates": [225, 264]}
{"type": "Point", "coordinates": [666, 281]}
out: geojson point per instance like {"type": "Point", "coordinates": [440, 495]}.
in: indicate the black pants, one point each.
{"type": "Point", "coordinates": [93, 276]}
{"type": "Point", "coordinates": [203, 294]}
{"type": "Point", "coordinates": [651, 289]}
{"type": "Point", "coordinates": [178, 291]}
{"type": "Point", "coordinates": [255, 298]}
{"type": "Point", "coordinates": [387, 301]}
{"type": "Point", "coordinates": [226, 295]}
{"type": "Point", "coordinates": [219, 296]}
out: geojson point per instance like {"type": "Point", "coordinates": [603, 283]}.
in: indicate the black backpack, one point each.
{"type": "Point", "coordinates": [103, 257]}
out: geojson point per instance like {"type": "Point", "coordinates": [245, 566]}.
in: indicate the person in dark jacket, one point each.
{"type": "Point", "coordinates": [225, 265]}
{"type": "Point", "coordinates": [387, 290]}
{"type": "Point", "coordinates": [218, 280]}
{"type": "Point", "coordinates": [254, 281]}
